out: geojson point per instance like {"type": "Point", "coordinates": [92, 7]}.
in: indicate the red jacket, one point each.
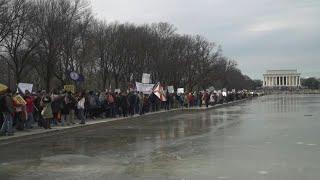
{"type": "Point", "coordinates": [30, 104]}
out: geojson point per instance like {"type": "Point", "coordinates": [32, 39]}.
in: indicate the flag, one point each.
{"type": "Point", "coordinates": [159, 92]}
{"type": "Point", "coordinates": [3, 88]}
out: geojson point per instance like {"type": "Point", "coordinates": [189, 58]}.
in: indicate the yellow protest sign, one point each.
{"type": "Point", "coordinates": [69, 88]}
{"type": "Point", "coordinates": [19, 100]}
{"type": "Point", "coordinates": [3, 88]}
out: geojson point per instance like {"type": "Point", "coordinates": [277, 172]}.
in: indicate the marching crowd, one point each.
{"type": "Point", "coordinates": [27, 110]}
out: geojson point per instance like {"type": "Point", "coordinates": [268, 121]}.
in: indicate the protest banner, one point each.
{"type": "Point", "coordinates": [180, 90]}
{"type": "Point", "coordinates": [159, 92]}
{"type": "Point", "coordinates": [74, 76]}
{"type": "Point", "coordinates": [69, 88]}
{"type": "Point", "coordinates": [146, 78]}
{"type": "Point", "coordinates": [170, 89]}
{"type": "Point", "coordinates": [211, 89]}
{"type": "Point", "coordinates": [145, 88]}
{"type": "Point", "coordinates": [23, 87]}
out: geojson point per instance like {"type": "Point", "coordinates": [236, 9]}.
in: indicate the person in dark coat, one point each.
{"type": "Point", "coordinates": [56, 106]}
{"type": "Point", "coordinates": [124, 104]}
{"type": "Point", "coordinates": [132, 102]}
{"type": "Point", "coordinates": [65, 110]}
{"type": "Point", "coordinates": [6, 111]}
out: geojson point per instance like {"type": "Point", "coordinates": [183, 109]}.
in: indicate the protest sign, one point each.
{"type": "Point", "coordinates": [19, 100]}
{"type": "Point", "coordinates": [145, 88]}
{"type": "Point", "coordinates": [170, 89]}
{"type": "Point", "coordinates": [3, 88]}
{"type": "Point", "coordinates": [180, 90]}
{"type": "Point", "coordinates": [69, 88]}
{"type": "Point", "coordinates": [159, 92]}
{"type": "Point", "coordinates": [146, 78]}
{"type": "Point", "coordinates": [211, 88]}
{"type": "Point", "coordinates": [117, 91]}
{"type": "Point", "coordinates": [23, 87]}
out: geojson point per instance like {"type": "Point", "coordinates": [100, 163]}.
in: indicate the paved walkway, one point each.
{"type": "Point", "coordinates": [37, 131]}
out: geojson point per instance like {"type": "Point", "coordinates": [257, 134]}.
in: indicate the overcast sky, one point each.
{"type": "Point", "coordinates": [258, 34]}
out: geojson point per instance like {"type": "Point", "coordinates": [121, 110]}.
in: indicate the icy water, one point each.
{"type": "Point", "coordinates": [271, 137]}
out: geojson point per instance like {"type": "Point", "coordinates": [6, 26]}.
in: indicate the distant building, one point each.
{"type": "Point", "coordinates": [281, 78]}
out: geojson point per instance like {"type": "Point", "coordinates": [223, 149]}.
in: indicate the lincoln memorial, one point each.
{"type": "Point", "coordinates": [281, 78]}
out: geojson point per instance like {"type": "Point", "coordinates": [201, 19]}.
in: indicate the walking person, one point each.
{"type": "Point", "coordinates": [110, 101]}
{"type": "Point", "coordinates": [72, 106]}
{"type": "Point", "coordinates": [30, 110]}
{"type": "Point", "coordinates": [20, 114]}
{"type": "Point", "coordinates": [124, 104]}
{"type": "Point", "coordinates": [141, 102]}
{"type": "Point", "coordinates": [132, 102]}
{"type": "Point", "coordinates": [205, 99]}
{"type": "Point", "coordinates": [167, 103]}
{"type": "Point", "coordinates": [6, 111]}
{"type": "Point", "coordinates": [81, 108]}
{"type": "Point", "coordinates": [47, 114]}
{"type": "Point", "coordinates": [56, 103]}
{"type": "Point", "coordinates": [65, 111]}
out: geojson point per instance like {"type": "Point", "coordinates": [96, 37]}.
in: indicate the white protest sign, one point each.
{"type": "Point", "coordinates": [146, 78]}
{"type": "Point", "coordinates": [211, 88]}
{"type": "Point", "coordinates": [171, 89]}
{"type": "Point", "coordinates": [25, 86]}
{"type": "Point", "coordinates": [180, 90]}
{"type": "Point", "coordinates": [145, 88]}
{"type": "Point", "coordinates": [224, 93]}
{"type": "Point", "coordinates": [117, 90]}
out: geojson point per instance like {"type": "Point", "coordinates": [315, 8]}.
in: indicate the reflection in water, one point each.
{"type": "Point", "coordinates": [121, 135]}
{"type": "Point", "coordinates": [282, 103]}
{"type": "Point", "coordinates": [226, 142]}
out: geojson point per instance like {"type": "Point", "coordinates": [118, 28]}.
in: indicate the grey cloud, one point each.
{"type": "Point", "coordinates": [259, 34]}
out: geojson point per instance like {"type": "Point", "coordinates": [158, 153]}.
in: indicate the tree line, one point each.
{"type": "Point", "coordinates": [41, 40]}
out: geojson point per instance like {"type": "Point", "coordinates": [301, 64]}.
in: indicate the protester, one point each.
{"type": "Point", "coordinates": [46, 109]}
{"type": "Point", "coordinates": [6, 111]}
{"type": "Point", "coordinates": [67, 112]}
{"type": "Point", "coordinates": [141, 103]}
{"type": "Point", "coordinates": [56, 106]}
{"type": "Point", "coordinates": [124, 104]}
{"type": "Point", "coordinates": [110, 101]}
{"type": "Point", "coordinates": [47, 113]}
{"type": "Point", "coordinates": [30, 110]}
{"type": "Point", "coordinates": [20, 114]}
{"type": "Point", "coordinates": [81, 108]}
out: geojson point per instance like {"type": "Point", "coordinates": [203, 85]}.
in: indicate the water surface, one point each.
{"type": "Point", "coordinates": [272, 137]}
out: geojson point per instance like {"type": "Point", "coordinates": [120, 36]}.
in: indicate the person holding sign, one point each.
{"type": "Point", "coordinates": [20, 115]}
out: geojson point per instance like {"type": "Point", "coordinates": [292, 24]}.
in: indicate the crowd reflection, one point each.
{"type": "Point", "coordinates": [123, 137]}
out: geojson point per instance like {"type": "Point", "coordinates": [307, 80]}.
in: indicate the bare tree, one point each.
{"type": "Point", "coordinates": [21, 41]}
